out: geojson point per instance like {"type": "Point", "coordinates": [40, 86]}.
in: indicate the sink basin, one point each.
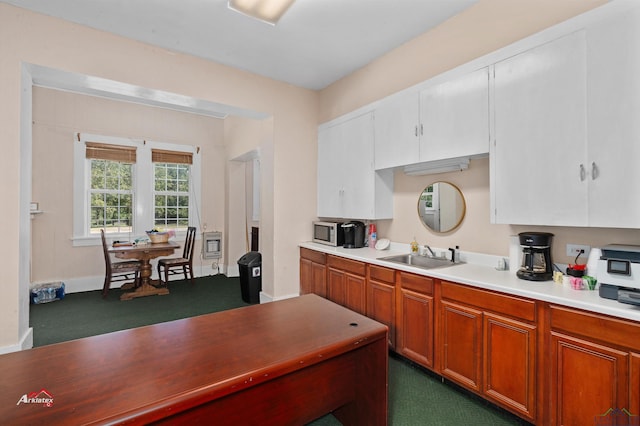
{"type": "Point", "coordinates": [419, 261]}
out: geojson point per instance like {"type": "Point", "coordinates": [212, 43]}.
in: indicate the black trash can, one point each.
{"type": "Point", "coordinates": [250, 266]}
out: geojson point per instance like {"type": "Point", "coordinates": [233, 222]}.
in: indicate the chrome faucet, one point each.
{"type": "Point", "coordinates": [425, 250]}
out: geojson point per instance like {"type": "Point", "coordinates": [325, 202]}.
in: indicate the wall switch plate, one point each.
{"type": "Point", "coordinates": [574, 249]}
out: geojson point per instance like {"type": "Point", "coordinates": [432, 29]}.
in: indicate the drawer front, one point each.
{"type": "Point", "coordinates": [384, 275]}
{"type": "Point", "coordinates": [312, 255]}
{"type": "Point", "coordinates": [606, 329]}
{"type": "Point", "coordinates": [348, 265]}
{"type": "Point", "coordinates": [500, 303]}
{"type": "Point", "coordinates": [416, 283]}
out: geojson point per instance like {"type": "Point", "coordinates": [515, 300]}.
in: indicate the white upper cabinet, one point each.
{"type": "Point", "coordinates": [396, 131]}
{"type": "Point", "coordinates": [348, 185]}
{"type": "Point", "coordinates": [454, 118]}
{"type": "Point", "coordinates": [445, 120]}
{"type": "Point", "coordinates": [613, 111]}
{"type": "Point", "coordinates": [539, 160]}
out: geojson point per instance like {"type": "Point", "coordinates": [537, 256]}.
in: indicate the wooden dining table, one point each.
{"type": "Point", "coordinates": [144, 253]}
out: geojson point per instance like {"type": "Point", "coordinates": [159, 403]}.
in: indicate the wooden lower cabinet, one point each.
{"type": "Point", "coordinates": [587, 380]}
{"type": "Point", "coordinates": [381, 298]}
{"type": "Point", "coordinates": [346, 283]}
{"type": "Point", "coordinates": [461, 340]}
{"type": "Point", "coordinates": [487, 343]}
{"type": "Point", "coordinates": [509, 363]}
{"type": "Point", "coordinates": [549, 364]}
{"type": "Point", "coordinates": [313, 272]}
{"type": "Point", "coordinates": [415, 323]}
{"type": "Point", "coordinates": [595, 368]}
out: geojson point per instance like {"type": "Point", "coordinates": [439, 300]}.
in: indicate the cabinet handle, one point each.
{"type": "Point", "coordinates": [583, 173]}
{"type": "Point", "coordinates": [594, 171]}
{"type": "Point", "coordinates": [421, 130]}
{"type": "Point", "coordinates": [415, 130]}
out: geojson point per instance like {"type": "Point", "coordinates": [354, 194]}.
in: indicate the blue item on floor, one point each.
{"type": "Point", "coordinates": [49, 292]}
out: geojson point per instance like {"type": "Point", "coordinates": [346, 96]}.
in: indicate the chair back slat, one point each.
{"type": "Point", "coordinates": [105, 249]}
{"type": "Point", "coordinates": [189, 243]}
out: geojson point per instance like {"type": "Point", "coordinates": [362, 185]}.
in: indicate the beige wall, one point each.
{"type": "Point", "coordinates": [30, 38]}
{"type": "Point", "coordinates": [57, 115]}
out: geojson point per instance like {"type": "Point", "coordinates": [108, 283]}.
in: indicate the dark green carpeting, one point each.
{"type": "Point", "coordinates": [415, 397]}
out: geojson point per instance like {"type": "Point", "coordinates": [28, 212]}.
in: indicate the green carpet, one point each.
{"type": "Point", "coordinates": [87, 314]}
{"type": "Point", "coordinates": [416, 397]}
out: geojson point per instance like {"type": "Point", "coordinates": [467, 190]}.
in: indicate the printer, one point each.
{"type": "Point", "coordinates": [619, 273]}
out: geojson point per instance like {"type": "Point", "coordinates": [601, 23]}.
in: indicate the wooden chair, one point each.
{"type": "Point", "coordinates": [118, 271]}
{"type": "Point", "coordinates": [179, 265]}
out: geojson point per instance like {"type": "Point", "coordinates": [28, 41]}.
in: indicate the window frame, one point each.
{"type": "Point", "coordinates": [143, 182]}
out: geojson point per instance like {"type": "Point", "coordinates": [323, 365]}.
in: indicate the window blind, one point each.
{"type": "Point", "coordinates": [103, 151]}
{"type": "Point", "coordinates": [176, 157]}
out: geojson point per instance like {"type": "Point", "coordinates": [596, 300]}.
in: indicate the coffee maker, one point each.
{"type": "Point", "coordinates": [353, 234]}
{"type": "Point", "coordinates": [536, 256]}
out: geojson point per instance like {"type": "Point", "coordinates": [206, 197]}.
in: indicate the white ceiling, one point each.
{"type": "Point", "coordinates": [316, 42]}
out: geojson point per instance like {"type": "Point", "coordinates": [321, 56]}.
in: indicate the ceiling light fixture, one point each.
{"type": "Point", "coordinates": [269, 11]}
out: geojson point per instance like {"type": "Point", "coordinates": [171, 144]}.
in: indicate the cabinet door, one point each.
{"type": "Point", "coordinates": [415, 337]}
{"type": "Point", "coordinates": [613, 60]}
{"type": "Point", "coordinates": [539, 157]}
{"type": "Point", "coordinates": [634, 384]}
{"type": "Point", "coordinates": [454, 118]}
{"type": "Point", "coordinates": [319, 279]}
{"type": "Point", "coordinates": [587, 380]}
{"type": "Point", "coordinates": [355, 293]}
{"type": "Point", "coordinates": [336, 285]}
{"type": "Point", "coordinates": [306, 276]}
{"type": "Point", "coordinates": [331, 164]}
{"type": "Point", "coordinates": [358, 174]}
{"type": "Point", "coordinates": [396, 132]}
{"type": "Point", "coordinates": [510, 364]}
{"type": "Point", "coordinates": [461, 340]}
{"type": "Point", "coordinates": [381, 305]}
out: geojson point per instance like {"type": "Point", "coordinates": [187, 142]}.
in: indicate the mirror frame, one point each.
{"type": "Point", "coordinates": [462, 215]}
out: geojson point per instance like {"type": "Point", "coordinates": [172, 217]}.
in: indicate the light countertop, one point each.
{"type": "Point", "coordinates": [482, 275]}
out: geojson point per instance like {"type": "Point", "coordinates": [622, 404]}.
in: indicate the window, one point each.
{"type": "Point", "coordinates": [171, 189]}
{"type": "Point", "coordinates": [129, 186]}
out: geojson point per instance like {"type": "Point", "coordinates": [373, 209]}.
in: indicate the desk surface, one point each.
{"type": "Point", "coordinates": [144, 371]}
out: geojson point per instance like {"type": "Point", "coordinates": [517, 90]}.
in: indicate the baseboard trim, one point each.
{"type": "Point", "coordinates": [26, 342]}
{"type": "Point", "coordinates": [91, 283]}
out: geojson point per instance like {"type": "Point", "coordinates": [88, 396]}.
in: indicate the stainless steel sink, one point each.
{"type": "Point", "coordinates": [419, 261]}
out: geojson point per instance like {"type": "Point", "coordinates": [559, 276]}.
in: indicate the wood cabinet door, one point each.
{"type": "Point", "coordinates": [461, 344]}
{"type": "Point", "coordinates": [355, 293]}
{"type": "Point", "coordinates": [319, 279]}
{"type": "Point", "coordinates": [336, 286]}
{"type": "Point", "coordinates": [509, 370]}
{"type": "Point", "coordinates": [381, 306]}
{"type": "Point", "coordinates": [306, 276]}
{"type": "Point", "coordinates": [415, 330]}
{"type": "Point", "coordinates": [587, 380]}
{"type": "Point", "coordinates": [634, 384]}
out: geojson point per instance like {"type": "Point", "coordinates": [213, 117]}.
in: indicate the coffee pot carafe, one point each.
{"type": "Point", "coordinates": [536, 256]}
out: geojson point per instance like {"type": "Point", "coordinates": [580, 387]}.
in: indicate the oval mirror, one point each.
{"type": "Point", "coordinates": [441, 207]}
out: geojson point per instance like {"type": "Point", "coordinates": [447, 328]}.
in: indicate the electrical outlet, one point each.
{"type": "Point", "coordinates": [574, 249]}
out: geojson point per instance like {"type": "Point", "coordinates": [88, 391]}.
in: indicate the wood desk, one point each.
{"type": "Point", "coordinates": [144, 253]}
{"type": "Point", "coordinates": [281, 363]}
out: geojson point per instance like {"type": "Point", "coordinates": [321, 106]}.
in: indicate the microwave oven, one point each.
{"type": "Point", "coordinates": [329, 233]}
